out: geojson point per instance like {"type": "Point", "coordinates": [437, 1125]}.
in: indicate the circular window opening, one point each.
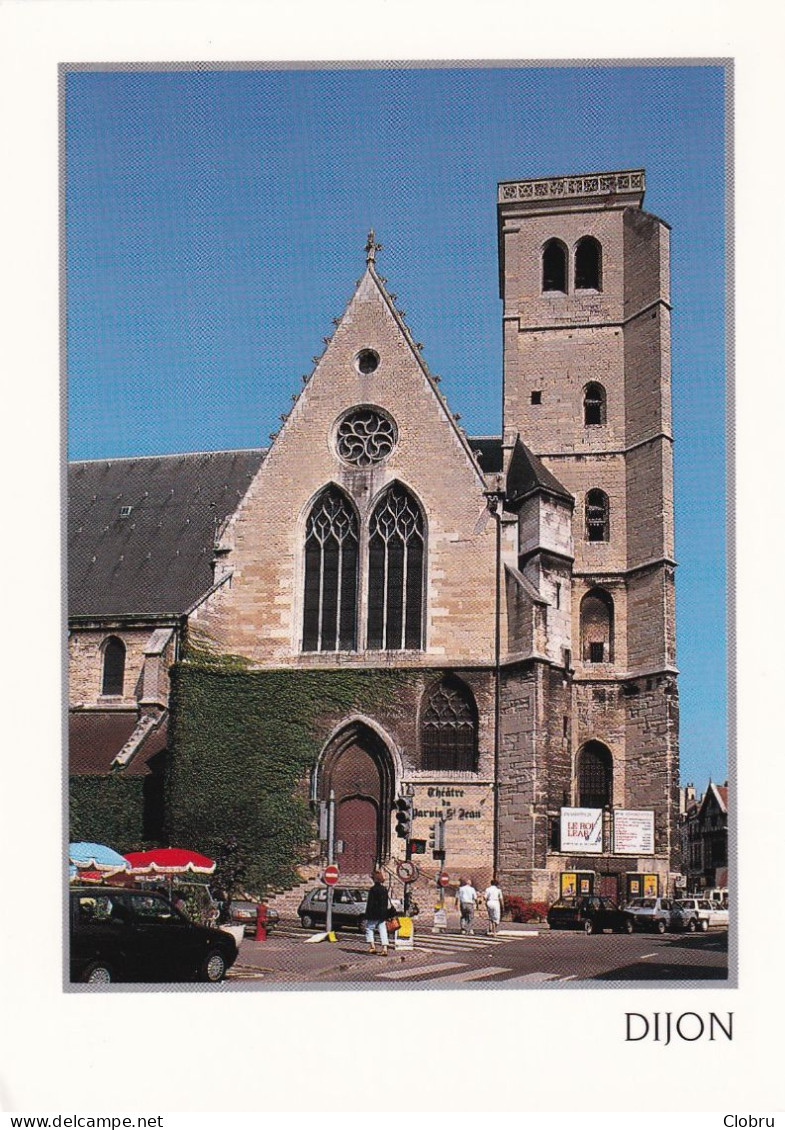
{"type": "Point", "coordinates": [367, 361]}
{"type": "Point", "coordinates": [365, 436]}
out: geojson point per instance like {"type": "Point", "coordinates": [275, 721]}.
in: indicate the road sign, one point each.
{"type": "Point", "coordinates": [330, 875]}
{"type": "Point", "coordinates": [407, 871]}
{"type": "Point", "coordinates": [444, 879]}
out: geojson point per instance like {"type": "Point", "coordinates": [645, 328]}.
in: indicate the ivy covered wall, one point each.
{"type": "Point", "coordinates": [243, 745]}
{"type": "Point", "coordinates": [108, 810]}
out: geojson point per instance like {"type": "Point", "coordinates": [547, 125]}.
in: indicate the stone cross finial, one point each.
{"type": "Point", "coordinates": [371, 247]}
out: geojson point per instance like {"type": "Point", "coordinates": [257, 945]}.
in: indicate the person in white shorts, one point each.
{"type": "Point", "coordinates": [494, 903]}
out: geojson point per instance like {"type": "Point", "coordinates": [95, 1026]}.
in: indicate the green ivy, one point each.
{"type": "Point", "coordinates": [108, 810]}
{"type": "Point", "coordinates": [243, 743]}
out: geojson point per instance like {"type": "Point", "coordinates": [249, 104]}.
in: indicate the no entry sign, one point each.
{"type": "Point", "coordinates": [330, 875]}
{"type": "Point", "coordinates": [444, 879]}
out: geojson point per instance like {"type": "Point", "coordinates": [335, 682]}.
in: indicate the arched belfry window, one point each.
{"type": "Point", "coordinates": [594, 402]}
{"type": "Point", "coordinates": [597, 627]}
{"type": "Point", "coordinates": [598, 516]}
{"type": "Point", "coordinates": [595, 776]}
{"type": "Point", "coordinates": [114, 667]}
{"type": "Point", "coordinates": [449, 727]}
{"type": "Point", "coordinates": [588, 264]}
{"type": "Point", "coordinates": [396, 561]}
{"type": "Point", "coordinates": [330, 605]}
{"type": "Point", "coordinates": [554, 266]}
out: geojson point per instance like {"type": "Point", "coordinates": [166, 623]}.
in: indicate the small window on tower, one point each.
{"type": "Point", "coordinates": [597, 516]}
{"type": "Point", "coordinates": [593, 404]}
{"type": "Point", "coordinates": [596, 653]}
{"type": "Point", "coordinates": [536, 396]}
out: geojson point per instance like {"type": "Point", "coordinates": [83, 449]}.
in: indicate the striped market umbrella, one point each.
{"type": "Point", "coordinates": [96, 857]}
{"type": "Point", "coordinates": [169, 861]}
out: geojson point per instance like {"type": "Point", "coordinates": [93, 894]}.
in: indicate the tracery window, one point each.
{"type": "Point", "coordinates": [595, 776]}
{"type": "Point", "coordinates": [554, 266]}
{"type": "Point", "coordinates": [365, 436]}
{"type": "Point", "coordinates": [396, 559]}
{"type": "Point", "coordinates": [114, 667]}
{"type": "Point", "coordinates": [331, 545]}
{"type": "Point", "coordinates": [588, 264]}
{"type": "Point", "coordinates": [449, 727]}
{"type": "Point", "coordinates": [593, 404]}
{"type": "Point", "coordinates": [598, 525]}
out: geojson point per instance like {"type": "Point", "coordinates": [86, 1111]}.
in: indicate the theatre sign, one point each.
{"type": "Point", "coordinates": [581, 830]}
{"type": "Point", "coordinates": [633, 832]}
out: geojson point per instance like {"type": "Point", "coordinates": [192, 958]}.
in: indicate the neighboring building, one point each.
{"type": "Point", "coordinates": [521, 585]}
{"type": "Point", "coordinates": [704, 837]}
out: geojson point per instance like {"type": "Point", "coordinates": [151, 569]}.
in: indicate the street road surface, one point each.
{"type": "Point", "coordinates": [513, 959]}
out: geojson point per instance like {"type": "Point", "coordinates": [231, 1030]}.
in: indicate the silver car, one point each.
{"type": "Point", "coordinates": [651, 914]}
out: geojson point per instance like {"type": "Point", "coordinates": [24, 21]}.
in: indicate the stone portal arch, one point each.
{"type": "Point", "coordinates": [358, 766]}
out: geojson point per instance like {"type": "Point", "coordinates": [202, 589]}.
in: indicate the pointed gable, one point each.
{"type": "Point", "coordinates": [370, 418]}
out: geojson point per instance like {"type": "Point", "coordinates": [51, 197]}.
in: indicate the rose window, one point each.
{"type": "Point", "coordinates": [365, 436]}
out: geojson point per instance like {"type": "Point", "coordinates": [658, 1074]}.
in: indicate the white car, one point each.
{"type": "Point", "coordinates": [651, 914]}
{"type": "Point", "coordinates": [698, 914]}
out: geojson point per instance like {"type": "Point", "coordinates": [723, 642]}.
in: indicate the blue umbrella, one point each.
{"type": "Point", "coordinates": [97, 856]}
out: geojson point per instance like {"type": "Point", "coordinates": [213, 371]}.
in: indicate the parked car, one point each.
{"type": "Point", "coordinates": [592, 914]}
{"type": "Point", "coordinates": [691, 914]}
{"type": "Point", "coordinates": [651, 914]}
{"type": "Point", "coordinates": [121, 934]}
{"type": "Point", "coordinates": [348, 907]}
{"type": "Point", "coordinates": [242, 912]}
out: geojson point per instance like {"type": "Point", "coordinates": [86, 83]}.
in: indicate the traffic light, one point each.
{"type": "Point", "coordinates": [417, 847]}
{"type": "Point", "coordinates": [403, 817]}
{"type": "Point", "coordinates": [436, 841]}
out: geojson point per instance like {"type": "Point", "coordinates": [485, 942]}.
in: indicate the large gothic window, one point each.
{"type": "Point", "coordinates": [330, 607]}
{"type": "Point", "coordinates": [396, 559]}
{"type": "Point", "coordinates": [595, 776]}
{"type": "Point", "coordinates": [114, 667]}
{"type": "Point", "coordinates": [554, 266]}
{"type": "Point", "coordinates": [598, 516]}
{"type": "Point", "coordinates": [449, 727]}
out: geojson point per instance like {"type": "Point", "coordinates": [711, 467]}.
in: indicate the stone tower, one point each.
{"type": "Point", "coordinates": [584, 278]}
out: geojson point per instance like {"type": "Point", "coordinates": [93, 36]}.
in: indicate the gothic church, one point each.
{"type": "Point", "coordinates": [524, 582]}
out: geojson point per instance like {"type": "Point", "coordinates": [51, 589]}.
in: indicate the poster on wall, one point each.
{"type": "Point", "coordinates": [581, 829]}
{"type": "Point", "coordinates": [633, 832]}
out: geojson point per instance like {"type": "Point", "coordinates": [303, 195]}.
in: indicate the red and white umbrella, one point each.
{"type": "Point", "coordinates": [169, 861]}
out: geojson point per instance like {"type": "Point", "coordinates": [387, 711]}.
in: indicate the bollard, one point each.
{"type": "Point", "coordinates": [261, 923]}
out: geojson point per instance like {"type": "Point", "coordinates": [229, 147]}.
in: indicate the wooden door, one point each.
{"type": "Point", "coordinates": [356, 823]}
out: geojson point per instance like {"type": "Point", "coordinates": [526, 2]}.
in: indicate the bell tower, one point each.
{"type": "Point", "coordinates": [584, 279]}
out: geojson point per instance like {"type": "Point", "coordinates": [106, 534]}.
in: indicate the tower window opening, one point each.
{"type": "Point", "coordinates": [594, 404]}
{"type": "Point", "coordinates": [536, 396]}
{"type": "Point", "coordinates": [595, 776]}
{"type": "Point", "coordinates": [597, 516]}
{"type": "Point", "coordinates": [597, 627]}
{"type": "Point", "coordinates": [554, 266]}
{"type": "Point", "coordinates": [588, 264]}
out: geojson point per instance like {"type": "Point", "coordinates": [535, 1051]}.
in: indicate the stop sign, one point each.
{"type": "Point", "coordinates": [444, 879]}
{"type": "Point", "coordinates": [330, 875]}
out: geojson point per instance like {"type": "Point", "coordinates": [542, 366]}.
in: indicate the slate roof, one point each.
{"type": "Point", "coordinates": [155, 558]}
{"type": "Point", "coordinates": [95, 737]}
{"type": "Point", "coordinates": [489, 453]}
{"type": "Point", "coordinates": [528, 473]}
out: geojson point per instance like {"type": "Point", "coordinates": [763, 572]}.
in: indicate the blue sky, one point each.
{"type": "Point", "coordinates": [215, 224]}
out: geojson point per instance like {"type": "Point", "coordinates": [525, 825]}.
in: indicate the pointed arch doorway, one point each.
{"type": "Point", "coordinates": [358, 767]}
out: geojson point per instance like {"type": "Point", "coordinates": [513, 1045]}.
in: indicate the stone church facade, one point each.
{"type": "Point", "coordinates": [524, 581]}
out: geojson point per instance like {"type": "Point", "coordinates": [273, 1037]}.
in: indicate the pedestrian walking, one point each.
{"type": "Point", "coordinates": [466, 901]}
{"type": "Point", "coordinates": [377, 910]}
{"type": "Point", "coordinates": [494, 904]}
